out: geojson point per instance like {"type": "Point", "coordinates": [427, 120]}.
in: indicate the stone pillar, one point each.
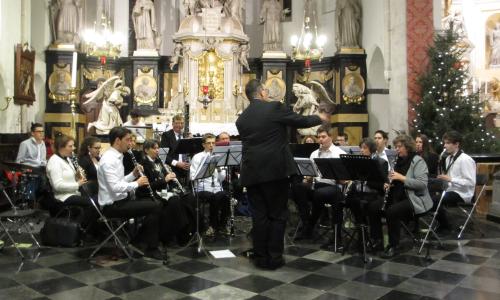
{"type": "Point", "coordinates": [419, 35]}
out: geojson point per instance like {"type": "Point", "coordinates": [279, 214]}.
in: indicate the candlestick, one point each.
{"type": "Point", "coordinates": [73, 70]}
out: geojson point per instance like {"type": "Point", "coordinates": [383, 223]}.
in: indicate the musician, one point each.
{"type": "Point", "coordinates": [178, 215]}
{"type": "Point", "coordinates": [309, 139]}
{"type": "Point", "coordinates": [89, 155]}
{"type": "Point", "coordinates": [266, 166]}
{"type": "Point", "coordinates": [88, 159]}
{"type": "Point", "coordinates": [135, 120]}
{"type": "Point", "coordinates": [224, 138]}
{"type": "Point", "coordinates": [459, 174]}
{"type": "Point", "coordinates": [368, 193]}
{"type": "Point", "coordinates": [116, 190]}
{"type": "Point", "coordinates": [210, 189]}
{"type": "Point", "coordinates": [170, 139]}
{"type": "Point", "coordinates": [424, 149]}
{"type": "Point", "coordinates": [65, 182]}
{"type": "Point", "coordinates": [325, 190]}
{"type": "Point", "coordinates": [32, 152]}
{"type": "Point", "coordinates": [408, 194]}
{"type": "Point", "coordinates": [342, 139]}
{"type": "Point", "coordinates": [381, 138]}
{"type": "Point", "coordinates": [128, 163]}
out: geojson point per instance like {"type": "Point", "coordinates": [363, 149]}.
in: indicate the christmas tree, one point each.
{"type": "Point", "coordinates": [446, 100]}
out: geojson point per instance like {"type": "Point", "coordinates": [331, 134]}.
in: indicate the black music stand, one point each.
{"type": "Point", "coordinates": [188, 146]}
{"type": "Point", "coordinates": [205, 170]}
{"type": "Point", "coordinates": [332, 168]}
{"type": "Point", "coordinates": [230, 156]}
{"type": "Point", "coordinates": [306, 167]}
{"type": "Point", "coordinates": [362, 168]}
{"type": "Point", "coordinates": [303, 150]}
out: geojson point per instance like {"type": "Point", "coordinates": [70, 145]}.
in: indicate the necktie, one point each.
{"type": "Point", "coordinates": [449, 163]}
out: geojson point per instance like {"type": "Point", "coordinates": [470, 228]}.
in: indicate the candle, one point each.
{"type": "Point", "coordinates": [171, 93]}
{"type": "Point", "coordinates": [486, 87]}
{"type": "Point", "coordinates": [8, 93]}
{"type": "Point", "coordinates": [73, 70]}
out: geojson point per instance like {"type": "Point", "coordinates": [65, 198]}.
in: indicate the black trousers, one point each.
{"type": "Point", "coordinates": [323, 194]}
{"type": "Point", "coordinates": [219, 207]}
{"type": "Point", "coordinates": [450, 198]}
{"type": "Point", "coordinates": [394, 214]}
{"type": "Point", "coordinates": [302, 195]}
{"type": "Point", "coordinates": [359, 202]}
{"type": "Point", "coordinates": [177, 218]}
{"type": "Point", "coordinates": [89, 216]}
{"type": "Point", "coordinates": [268, 202]}
{"type": "Point", "coordinates": [126, 208]}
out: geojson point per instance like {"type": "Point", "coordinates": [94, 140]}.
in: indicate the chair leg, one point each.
{"type": "Point", "coordinates": [11, 239]}
{"type": "Point", "coordinates": [469, 215]}
{"type": "Point", "coordinates": [430, 228]}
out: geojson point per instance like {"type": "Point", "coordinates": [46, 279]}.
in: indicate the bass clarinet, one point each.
{"type": "Point", "coordinates": [134, 161]}
{"type": "Point", "coordinates": [178, 189]}
{"type": "Point", "coordinates": [386, 194]}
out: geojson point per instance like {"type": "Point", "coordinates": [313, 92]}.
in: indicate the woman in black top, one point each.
{"type": "Point", "coordinates": [424, 149]}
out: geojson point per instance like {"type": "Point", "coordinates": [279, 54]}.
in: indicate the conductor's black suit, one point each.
{"type": "Point", "coordinates": [267, 163]}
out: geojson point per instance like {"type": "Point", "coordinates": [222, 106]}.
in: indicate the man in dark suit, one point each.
{"type": "Point", "coordinates": [267, 163]}
{"type": "Point", "coordinates": [170, 139]}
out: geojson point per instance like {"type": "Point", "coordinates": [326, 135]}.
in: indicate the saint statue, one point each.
{"type": "Point", "coordinates": [243, 57]}
{"type": "Point", "coordinates": [189, 7]}
{"type": "Point", "coordinates": [66, 21]}
{"type": "Point", "coordinates": [348, 24]}
{"type": "Point", "coordinates": [174, 60]}
{"type": "Point", "coordinates": [495, 46]}
{"type": "Point", "coordinates": [234, 8]}
{"type": "Point", "coordinates": [271, 14]}
{"type": "Point", "coordinates": [146, 32]}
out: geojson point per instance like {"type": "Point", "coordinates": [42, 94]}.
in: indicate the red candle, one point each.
{"type": "Point", "coordinates": [205, 89]}
{"type": "Point", "coordinates": [103, 60]}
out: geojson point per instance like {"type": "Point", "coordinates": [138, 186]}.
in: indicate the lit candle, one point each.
{"type": "Point", "coordinates": [8, 93]}
{"type": "Point", "coordinates": [171, 93]}
{"type": "Point", "coordinates": [486, 87]}
{"type": "Point", "coordinates": [73, 70]}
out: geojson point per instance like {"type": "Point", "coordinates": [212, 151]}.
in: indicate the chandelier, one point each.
{"type": "Point", "coordinates": [308, 46]}
{"type": "Point", "coordinates": [101, 41]}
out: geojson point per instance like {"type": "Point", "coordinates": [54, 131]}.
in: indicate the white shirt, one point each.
{"type": "Point", "coordinates": [209, 184]}
{"type": "Point", "coordinates": [140, 133]}
{"type": "Point", "coordinates": [61, 174]}
{"type": "Point", "coordinates": [463, 176]}
{"type": "Point", "coordinates": [332, 152]}
{"type": "Point", "coordinates": [113, 184]}
{"type": "Point", "coordinates": [32, 153]}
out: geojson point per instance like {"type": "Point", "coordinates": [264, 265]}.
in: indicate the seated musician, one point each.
{"type": "Point", "coordinates": [424, 149]}
{"type": "Point", "coordinates": [178, 215]}
{"type": "Point", "coordinates": [381, 138]}
{"type": "Point", "coordinates": [459, 174]}
{"type": "Point", "coordinates": [32, 152]}
{"type": "Point", "coordinates": [407, 196]}
{"type": "Point", "coordinates": [128, 163]}
{"type": "Point", "coordinates": [325, 190]}
{"type": "Point", "coordinates": [135, 120]}
{"type": "Point", "coordinates": [88, 159]}
{"type": "Point", "coordinates": [116, 190]}
{"type": "Point", "coordinates": [66, 181]}
{"type": "Point", "coordinates": [365, 194]}
{"type": "Point", "coordinates": [210, 189]}
{"type": "Point", "coordinates": [170, 139]}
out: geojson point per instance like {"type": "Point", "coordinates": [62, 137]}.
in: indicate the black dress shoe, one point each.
{"type": "Point", "coordinates": [390, 252]}
{"type": "Point", "coordinates": [277, 263]}
{"type": "Point", "coordinates": [330, 246]}
{"type": "Point", "coordinates": [305, 234]}
{"type": "Point", "coordinates": [377, 246]}
{"type": "Point", "coordinates": [155, 253]}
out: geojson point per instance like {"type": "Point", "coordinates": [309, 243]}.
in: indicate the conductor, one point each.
{"type": "Point", "coordinates": [266, 166]}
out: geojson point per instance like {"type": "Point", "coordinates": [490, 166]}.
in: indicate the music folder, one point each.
{"type": "Point", "coordinates": [306, 167]}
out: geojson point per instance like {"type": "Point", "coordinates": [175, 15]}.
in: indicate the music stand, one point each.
{"type": "Point", "coordinates": [306, 167]}
{"type": "Point", "coordinates": [332, 168]}
{"type": "Point", "coordinates": [362, 168]}
{"type": "Point", "coordinates": [230, 156]}
{"type": "Point", "coordinates": [303, 150]}
{"type": "Point", "coordinates": [188, 146]}
{"type": "Point", "coordinates": [163, 152]}
{"type": "Point", "coordinates": [205, 170]}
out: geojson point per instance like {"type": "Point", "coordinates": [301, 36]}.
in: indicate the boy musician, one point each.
{"type": "Point", "coordinates": [458, 171]}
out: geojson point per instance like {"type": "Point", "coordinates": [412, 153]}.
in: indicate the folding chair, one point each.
{"type": "Point", "coordinates": [18, 219]}
{"type": "Point", "coordinates": [115, 226]}
{"type": "Point", "coordinates": [430, 226]}
{"type": "Point", "coordinates": [481, 180]}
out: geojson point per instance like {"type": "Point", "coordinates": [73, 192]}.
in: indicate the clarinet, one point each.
{"type": "Point", "coordinates": [233, 202]}
{"type": "Point", "coordinates": [440, 162]}
{"type": "Point", "coordinates": [386, 193]}
{"type": "Point", "coordinates": [175, 180]}
{"type": "Point", "coordinates": [80, 172]}
{"type": "Point", "coordinates": [185, 134]}
{"type": "Point", "coordinates": [134, 161]}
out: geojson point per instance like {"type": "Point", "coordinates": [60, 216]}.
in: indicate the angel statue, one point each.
{"type": "Point", "coordinates": [174, 60]}
{"type": "Point", "coordinates": [309, 101]}
{"type": "Point", "coordinates": [111, 94]}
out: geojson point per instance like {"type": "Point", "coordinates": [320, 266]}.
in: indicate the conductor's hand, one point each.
{"type": "Point", "coordinates": [138, 170]}
{"type": "Point", "coordinates": [183, 165]}
{"type": "Point", "coordinates": [82, 181]}
{"type": "Point", "coordinates": [142, 181]}
{"type": "Point", "coordinates": [325, 117]}
{"type": "Point", "coordinates": [170, 176]}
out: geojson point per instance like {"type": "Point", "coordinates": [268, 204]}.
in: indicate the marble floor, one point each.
{"type": "Point", "coordinates": [465, 269]}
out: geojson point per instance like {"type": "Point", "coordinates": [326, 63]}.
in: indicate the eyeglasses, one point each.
{"type": "Point", "coordinates": [39, 131]}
